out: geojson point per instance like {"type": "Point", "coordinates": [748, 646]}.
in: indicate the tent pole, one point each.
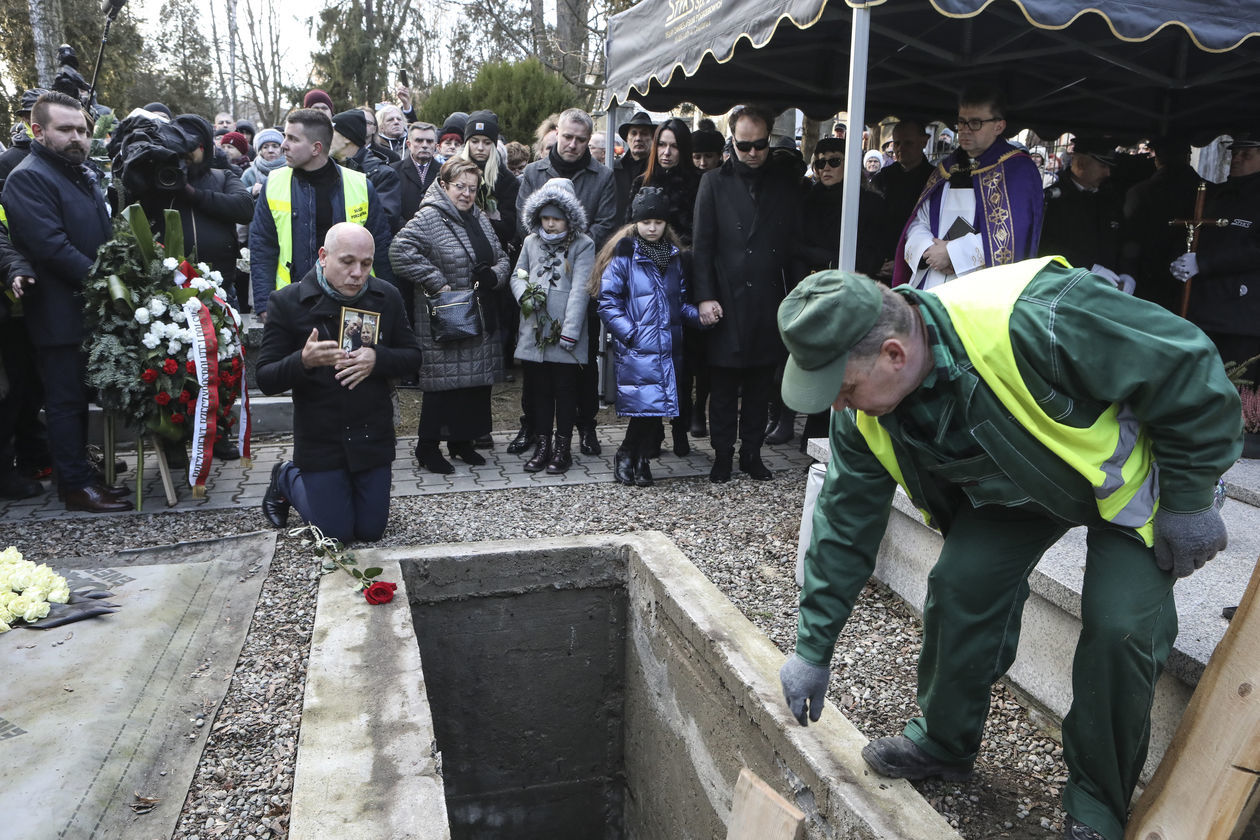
{"type": "Point", "coordinates": [853, 142]}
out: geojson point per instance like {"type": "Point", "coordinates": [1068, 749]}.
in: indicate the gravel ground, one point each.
{"type": "Point", "coordinates": [741, 534]}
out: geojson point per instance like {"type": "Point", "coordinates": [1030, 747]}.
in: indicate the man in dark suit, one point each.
{"type": "Point", "coordinates": [417, 170]}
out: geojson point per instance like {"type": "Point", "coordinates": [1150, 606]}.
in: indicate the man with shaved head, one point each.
{"type": "Point", "coordinates": [343, 421]}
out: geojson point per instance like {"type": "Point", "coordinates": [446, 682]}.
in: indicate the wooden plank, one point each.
{"type": "Point", "coordinates": [760, 813]}
{"type": "Point", "coordinates": [164, 470]}
{"type": "Point", "coordinates": [1206, 785]}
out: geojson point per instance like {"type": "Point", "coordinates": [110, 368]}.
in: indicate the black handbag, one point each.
{"type": "Point", "coordinates": [455, 315]}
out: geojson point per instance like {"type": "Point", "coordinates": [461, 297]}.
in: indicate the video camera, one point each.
{"type": "Point", "coordinates": [149, 155]}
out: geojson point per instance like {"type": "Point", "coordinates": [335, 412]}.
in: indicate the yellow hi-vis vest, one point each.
{"type": "Point", "coordinates": [1113, 454]}
{"type": "Point", "coordinates": [354, 186]}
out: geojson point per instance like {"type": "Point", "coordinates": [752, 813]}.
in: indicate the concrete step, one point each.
{"type": "Point", "coordinates": [1051, 623]}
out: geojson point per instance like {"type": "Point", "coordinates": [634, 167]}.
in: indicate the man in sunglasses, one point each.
{"type": "Point", "coordinates": [747, 220]}
{"type": "Point", "coordinates": [981, 207]}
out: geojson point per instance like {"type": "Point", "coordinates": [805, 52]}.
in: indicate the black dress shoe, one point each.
{"type": "Point", "coordinates": [682, 447]}
{"type": "Point", "coordinates": [750, 463]}
{"type": "Point", "coordinates": [464, 451]}
{"type": "Point", "coordinates": [698, 427]}
{"type": "Point", "coordinates": [118, 491]}
{"type": "Point", "coordinates": [588, 443]}
{"type": "Point", "coordinates": [721, 471]}
{"type": "Point", "coordinates": [784, 430]}
{"type": "Point", "coordinates": [225, 451]}
{"type": "Point", "coordinates": [16, 486]}
{"type": "Point", "coordinates": [643, 473]}
{"type": "Point", "coordinates": [275, 506]}
{"type": "Point", "coordinates": [95, 500]}
{"type": "Point", "coordinates": [623, 467]}
{"type": "Point", "coordinates": [900, 758]}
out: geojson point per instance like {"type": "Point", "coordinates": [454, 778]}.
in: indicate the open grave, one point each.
{"type": "Point", "coordinates": [589, 687]}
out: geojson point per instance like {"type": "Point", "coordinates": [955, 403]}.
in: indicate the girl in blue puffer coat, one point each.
{"type": "Point", "coordinates": [640, 282]}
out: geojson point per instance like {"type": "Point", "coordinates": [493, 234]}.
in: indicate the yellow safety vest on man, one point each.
{"type": "Point", "coordinates": [1113, 454]}
{"type": "Point", "coordinates": [354, 187]}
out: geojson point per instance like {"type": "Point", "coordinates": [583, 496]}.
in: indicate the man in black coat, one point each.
{"type": "Point", "coordinates": [747, 217]}
{"type": "Point", "coordinates": [419, 168]}
{"type": "Point", "coordinates": [637, 134]}
{"type": "Point", "coordinates": [901, 184]}
{"type": "Point", "coordinates": [58, 220]}
{"type": "Point", "coordinates": [20, 138]}
{"type": "Point", "coordinates": [343, 420]}
{"type": "Point", "coordinates": [1148, 241]}
{"type": "Point", "coordinates": [351, 149]}
{"type": "Point", "coordinates": [1225, 295]}
{"type": "Point", "coordinates": [1083, 212]}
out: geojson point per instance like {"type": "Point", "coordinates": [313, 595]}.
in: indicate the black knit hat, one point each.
{"type": "Point", "coordinates": [351, 125]}
{"type": "Point", "coordinates": [649, 203]}
{"type": "Point", "coordinates": [485, 123]}
{"type": "Point", "coordinates": [454, 125]}
{"type": "Point", "coordinates": [705, 141]}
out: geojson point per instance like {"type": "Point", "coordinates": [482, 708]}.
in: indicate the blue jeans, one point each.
{"type": "Point", "coordinates": [345, 505]}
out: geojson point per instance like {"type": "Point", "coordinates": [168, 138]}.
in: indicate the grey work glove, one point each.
{"type": "Point", "coordinates": [1185, 541]}
{"type": "Point", "coordinates": [804, 682]}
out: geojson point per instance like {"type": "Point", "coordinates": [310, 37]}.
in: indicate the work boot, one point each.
{"type": "Point", "coordinates": [465, 451]}
{"type": "Point", "coordinates": [721, 471]}
{"type": "Point", "coordinates": [643, 472]}
{"type": "Point", "coordinates": [750, 462]}
{"type": "Point", "coordinates": [561, 455]}
{"type": "Point", "coordinates": [784, 430]}
{"type": "Point", "coordinates": [682, 447]}
{"type": "Point", "coordinates": [523, 438]}
{"type": "Point", "coordinates": [542, 454]}
{"type": "Point", "coordinates": [430, 457]}
{"type": "Point", "coordinates": [588, 443]}
{"type": "Point", "coordinates": [1073, 829]}
{"type": "Point", "coordinates": [900, 758]}
{"type": "Point", "coordinates": [275, 506]}
{"type": "Point", "coordinates": [623, 467]}
{"type": "Point", "coordinates": [699, 429]}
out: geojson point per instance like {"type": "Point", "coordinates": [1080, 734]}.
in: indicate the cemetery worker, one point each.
{"type": "Point", "coordinates": [449, 245]}
{"type": "Point", "coordinates": [1225, 295]}
{"type": "Point", "coordinates": [350, 149]}
{"type": "Point", "coordinates": [343, 420]}
{"type": "Point", "coordinates": [1147, 238]}
{"type": "Point", "coordinates": [570, 157]}
{"type": "Point", "coordinates": [901, 184]}
{"type": "Point", "coordinates": [1009, 407]}
{"type": "Point", "coordinates": [1083, 214]}
{"type": "Point", "coordinates": [637, 135]}
{"type": "Point", "coordinates": [987, 186]}
{"type": "Point", "coordinates": [301, 202]}
{"type": "Point", "coordinates": [57, 220]}
{"type": "Point", "coordinates": [20, 139]}
{"type": "Point", "coordinates": [747, 218]}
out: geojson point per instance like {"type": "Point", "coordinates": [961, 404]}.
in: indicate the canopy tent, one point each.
{"type": "Point", "coordinates": [1111, 67]}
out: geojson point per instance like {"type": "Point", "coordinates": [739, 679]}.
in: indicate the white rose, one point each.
{"type": "Point", "coordinates": [173, 347]}
{"type": "Point", "coordinates": [19, 605]}
{"type": "Point", "coordinates": [4, 627]}
{"type": "Point", "coordinates": [216, 277]}
{"type": "Point", "coordinates": [150, 340]}
{"type": "Point", "coordinates": [157, 306]}
{"type": "Point", "coordinates": [142, 315]}
{"type": "Point", "coordinates": [10, 555]}
{"type": "Point", "coordinates": [203, 269]}
{"type": "Point", "coordinates": [35, 593]}
{"type": "Point", "coordinates": [6, 617]}
{"type": "Point", "coordinates": [178, 316]}
{"type": "Point", "coordinates": [60, 594]}
{"type": "Point", "coordinates": [35, 612]}
{"type": "Point", "coordinates": [170, 263]}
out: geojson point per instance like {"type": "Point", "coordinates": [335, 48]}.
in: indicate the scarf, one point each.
{"type": "Point", "coordinates": [566, 169]}
{"type": "Point", "coordinates": [263, 168]}
{"type": "Point", "coordinates": [333, 293]}
{"type": "Point", "coordinates": [659, 252]}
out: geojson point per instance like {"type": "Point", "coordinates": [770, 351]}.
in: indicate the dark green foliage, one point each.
{"type": "Point", "coordinates": [522, 93]}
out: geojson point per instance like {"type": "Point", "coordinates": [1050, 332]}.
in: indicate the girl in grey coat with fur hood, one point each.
{"type": "Point", "coordinates": [550, 285]}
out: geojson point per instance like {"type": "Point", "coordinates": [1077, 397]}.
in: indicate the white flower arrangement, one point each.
{"type": "Point", "coordinates": [170, 263]}
{"type": "Point", "coordinates": [142, 316]}
{"type": "Point", "coordinates": [27, 589]}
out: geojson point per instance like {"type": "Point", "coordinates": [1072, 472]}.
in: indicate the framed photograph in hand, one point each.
{"type": "Point", "coordinates": [359, 328]}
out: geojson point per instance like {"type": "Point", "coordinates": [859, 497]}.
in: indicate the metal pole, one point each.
{"type": "Point", "coordinates": [858, 49]}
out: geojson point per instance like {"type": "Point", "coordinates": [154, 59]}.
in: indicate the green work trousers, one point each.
{"type": "Point", "coordinates": [971, 621]}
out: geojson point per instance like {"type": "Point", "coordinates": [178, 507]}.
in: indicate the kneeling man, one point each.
{"type": "Point", "coordinates": [1008, 406]}
{"type": "Point", "coordinates": [343, 420]}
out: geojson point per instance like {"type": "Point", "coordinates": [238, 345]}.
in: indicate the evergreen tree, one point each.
{"type": "Point", "coordinates": [521, 93]}
{"type": "Point", "coordinates": [360, 41]}
{"type": "Point", "coordinates": [176, 67]}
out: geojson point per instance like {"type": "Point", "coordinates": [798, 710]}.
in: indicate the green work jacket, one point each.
{"type": "Point", "coordinates": [1082, 351]}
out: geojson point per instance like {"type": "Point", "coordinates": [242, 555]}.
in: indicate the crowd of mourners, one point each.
{"type": "Point", "coordinates": [642, 270]}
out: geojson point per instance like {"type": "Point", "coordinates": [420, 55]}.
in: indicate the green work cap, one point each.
{"type": "Point", "coordinates": [820, 321]}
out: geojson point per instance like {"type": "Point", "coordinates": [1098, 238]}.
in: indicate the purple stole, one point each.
{"type": "Point", "coordinates": [1009, 203]}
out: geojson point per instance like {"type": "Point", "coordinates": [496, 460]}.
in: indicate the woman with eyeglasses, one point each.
{"type": "Point", "coordinates": [450, 245]}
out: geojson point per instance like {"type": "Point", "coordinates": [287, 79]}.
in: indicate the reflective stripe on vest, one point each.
{"type": "Point", "coordinates": [280, 203]}
{"type": "Point", "coordinates": [1113, 454]}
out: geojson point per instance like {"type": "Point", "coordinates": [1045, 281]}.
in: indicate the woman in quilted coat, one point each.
{"type": "Point", "coordinates": [450, 245]}
{"type": "Point", "coordinates": [643, 303]}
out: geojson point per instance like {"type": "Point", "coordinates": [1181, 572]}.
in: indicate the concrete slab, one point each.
{"type": "Point", "coordinates": [99, 712]}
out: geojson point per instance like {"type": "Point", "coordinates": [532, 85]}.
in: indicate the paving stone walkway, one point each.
{"type": "Point", "coordinates": [231, 485]}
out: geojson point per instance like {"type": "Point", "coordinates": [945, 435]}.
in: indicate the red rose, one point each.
{"type": "Point", "coordinates": [177, 417]}
{"type": "Point", "coordinates": [380, 592]}
{"type": "Point", "coordinates": [236, 363]}
{"type": "Point", "coordinates": [170, 366]}
{"type": "Point", "coordinates": [184, 396]}
{"type": "Point", "coordinates": [162, 398]}
{"type": "Point", "coordinates": [149, 376]}
{"type": "Point", "coordinates": [190, 366]}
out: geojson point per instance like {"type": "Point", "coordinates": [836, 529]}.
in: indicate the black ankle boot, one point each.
{"type": "Point", "coordinates": [784, 430]}
{"type": "Point", "coordinates": [721, 471]}
{"type": "Point", "coordinates": [682, 447]}
{"type": "Point", "coordinates": [773, 413]}
{"type": "Point", "coordinates": [643, 472]}
{"type": "Point", "coordinates": [750, 463]}
{"type": "Point", "coordinates": [588, 443]}
{"type": "Point", "coordinates": [561, 455]}
{"type": "Point", "coordinates": [623, 467]}
{"type": "Point", "coordinates": [430, 457]}
{"type": "Point", "coordinates": [699, 428]}
{"type": "Point", "coordinates": [542, 454]}
{"type": "Point", "coordinates": [523, 440]}
{"type": "Point", "coordinates": [465, 451]}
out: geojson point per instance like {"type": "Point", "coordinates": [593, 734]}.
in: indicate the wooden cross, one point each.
{"type": "Point", "coordinates": [1192, 235]}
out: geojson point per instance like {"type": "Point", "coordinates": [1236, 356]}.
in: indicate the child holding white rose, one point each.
{"type": "Point", "coordinates": [550, 285]}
